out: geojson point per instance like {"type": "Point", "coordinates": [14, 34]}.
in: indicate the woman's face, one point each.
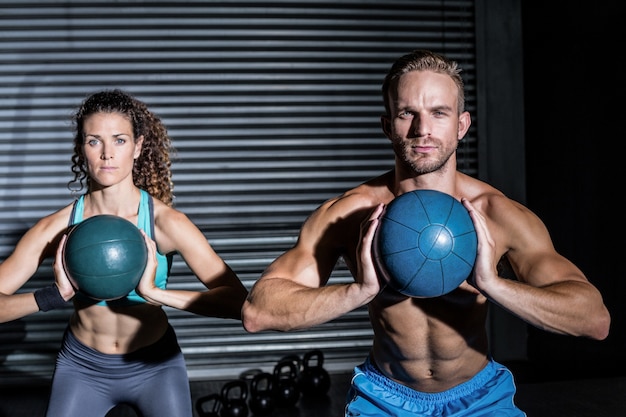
{"type": "Point", "coordinates": [110, 148]}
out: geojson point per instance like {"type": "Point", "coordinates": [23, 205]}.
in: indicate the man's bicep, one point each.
{"type": "Point", "coordinates": [303, 265]}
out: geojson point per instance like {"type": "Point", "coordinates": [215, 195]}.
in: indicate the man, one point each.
{"type": "Point", "coordinates": [430, 356]}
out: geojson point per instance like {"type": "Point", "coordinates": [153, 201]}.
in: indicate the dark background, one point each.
{"type": "Point", "coordinates": [573, 79]}
{"type": "Point", "coordinates": [568, 141]}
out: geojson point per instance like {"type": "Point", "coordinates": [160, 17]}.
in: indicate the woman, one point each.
{"type": "Point", "coordinates": [125, 350]}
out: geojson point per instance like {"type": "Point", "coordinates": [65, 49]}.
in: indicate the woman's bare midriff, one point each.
{"type": "Point", "coordinates": [429, 345]}
{"type": "Point", "coordinates": [118, 330]}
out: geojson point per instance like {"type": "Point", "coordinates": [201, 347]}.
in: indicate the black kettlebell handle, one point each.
{"type": "Point", "coordinates": [313, 354]}
{"type": "Point", "coordinates": [234, 385]}
{"type": "Point", "coordinates": [295, 359]}
{"type": "Point", "coordinates": [279, 370]}
{"type": "Point", "coordinates": [215, 407]}
{"type": "Point", "coordinates": [262, 382]}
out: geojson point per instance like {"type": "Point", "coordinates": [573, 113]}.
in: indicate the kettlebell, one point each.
{"type": "Point", "coordinates": [297, 362]}
{"type": "Point", "coordinates": [314, 379]}
{"type": "Point", "coordinates": [261, 395]}
{"type": "Point", "coordinates": [234, 396]}
{"type": "Point", "coordinates": [286, 391]}
{"type": "Point", "coordinates": [209, 405]}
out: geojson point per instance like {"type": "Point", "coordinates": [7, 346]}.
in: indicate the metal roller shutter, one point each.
{"type": "Point", "coordinates": [272, 106]}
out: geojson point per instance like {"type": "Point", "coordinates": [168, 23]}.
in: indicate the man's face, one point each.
{"type": "Point", "coordinates": [424, 125]}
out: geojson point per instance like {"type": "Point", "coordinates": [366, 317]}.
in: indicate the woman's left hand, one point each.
{"type": "Point", "coordinates": [147, 283]}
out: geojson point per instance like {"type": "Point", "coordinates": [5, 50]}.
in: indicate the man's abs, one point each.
{"type": "Point", "coordinates": [429, 345]}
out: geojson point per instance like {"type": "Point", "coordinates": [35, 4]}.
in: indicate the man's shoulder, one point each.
{"type": "Point", "coordinates": [364, 196]}
{"type": "Point", "coordinates": [480, 193]}
{"type": "Point", "coordinates": [346, 210]}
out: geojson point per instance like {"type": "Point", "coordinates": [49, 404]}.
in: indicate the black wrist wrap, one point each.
{"type": "Point", "coordinates": [49, 298]}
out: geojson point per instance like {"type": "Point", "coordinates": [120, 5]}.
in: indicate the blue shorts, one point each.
{"type": "Point", "coordinates": [88, 383]}
{"type": "Point", "coordinates": [489, 393]}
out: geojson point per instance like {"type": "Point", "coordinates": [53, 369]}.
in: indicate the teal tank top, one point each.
{"type": "Point", "coordinates": [145, 222]}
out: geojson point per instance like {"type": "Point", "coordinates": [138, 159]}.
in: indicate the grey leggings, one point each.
{"type": "Point", "coordinates": [152, 380]}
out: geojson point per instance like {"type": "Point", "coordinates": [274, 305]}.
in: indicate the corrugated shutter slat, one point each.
{"type": "Point", "coordinates": [273, 108]}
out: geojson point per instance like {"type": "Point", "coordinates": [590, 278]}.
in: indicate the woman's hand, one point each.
{"type": "Point", "coordinates": [147, 283]}
{"type": "Point", "coordinates": [62, 281]}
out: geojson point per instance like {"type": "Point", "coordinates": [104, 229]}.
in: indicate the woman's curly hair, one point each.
{"type": "Point", "coordinates": [152, 170]}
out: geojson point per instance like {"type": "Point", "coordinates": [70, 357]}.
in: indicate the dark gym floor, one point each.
{"type": "Point", "coordinates": [588, 397]}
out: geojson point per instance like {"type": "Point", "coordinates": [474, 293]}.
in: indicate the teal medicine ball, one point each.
{"type": "Point", "coordinates": [104, 257]}
{"type": "Point", "coordinates": [425, 245]}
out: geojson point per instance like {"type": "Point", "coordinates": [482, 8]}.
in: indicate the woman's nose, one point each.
{"type": "Point", "coordinates": [106, 155]}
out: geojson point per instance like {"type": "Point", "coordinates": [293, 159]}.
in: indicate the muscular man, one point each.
{"type": "Point", "coordinates": [430, 356]}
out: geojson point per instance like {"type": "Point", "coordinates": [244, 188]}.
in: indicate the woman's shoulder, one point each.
{"type": "Point", "coordinates": [49, 229]}
{"type": "Point", "coordinates": [167, 217]}
{"type": "Point", "coordinates": [59, 219]}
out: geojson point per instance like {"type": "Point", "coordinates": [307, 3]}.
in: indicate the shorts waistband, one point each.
{"type": "Point", "coordinates": [477, 381]}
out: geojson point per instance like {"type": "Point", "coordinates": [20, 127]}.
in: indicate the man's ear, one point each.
{"type": "Point", "coordinates": [465, 121]}
{"type": "Point", "coordinates": [385, 124]}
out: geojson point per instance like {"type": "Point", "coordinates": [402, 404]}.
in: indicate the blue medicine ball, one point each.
{"type": "Point", "coordinates": [425, 245]}
{"type": "Point", "coordinates": [104, 257]}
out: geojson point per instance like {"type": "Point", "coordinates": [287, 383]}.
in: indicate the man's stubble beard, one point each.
{"type": "Point", "coordinates": [420, 165]}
